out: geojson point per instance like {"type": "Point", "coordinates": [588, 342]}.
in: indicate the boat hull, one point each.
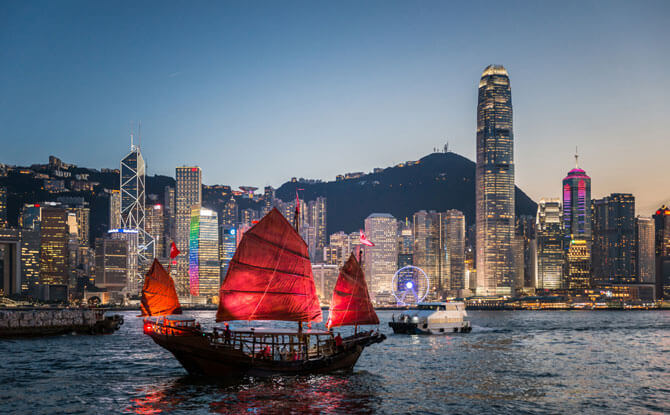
{"type": "Point", "coordinates": [400, 327]}
{"type": "Point", "coordinates": [200, 357]}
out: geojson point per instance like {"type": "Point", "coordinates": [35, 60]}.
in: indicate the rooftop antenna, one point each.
{"type": "Point", "coordinates": [576, 157]}
{"type": "Point", "coordinates": [446, 147]}
{"type": "Point", "coordinates": [139, 134]}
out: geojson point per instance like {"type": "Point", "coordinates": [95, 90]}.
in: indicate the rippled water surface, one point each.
{"type": "Point", "coordinates": [512, 362]}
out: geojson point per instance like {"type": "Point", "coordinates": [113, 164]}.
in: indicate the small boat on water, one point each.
{"type": "Point", "coordinates": [432, 318]}
{"type": "Point", "coordinates": [269, 278]}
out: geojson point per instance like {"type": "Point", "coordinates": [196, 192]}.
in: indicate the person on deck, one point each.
{"type": "Point", "coordinates": [226, 334]}
{"type": "Point", "coordinates": [338, 342]}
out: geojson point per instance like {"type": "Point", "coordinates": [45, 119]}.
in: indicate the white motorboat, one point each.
{"type": "Point", "coordinates": [432, 318]}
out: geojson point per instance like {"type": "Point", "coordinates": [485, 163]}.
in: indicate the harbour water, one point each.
{"type": "Point", "coordinates": [512, 362]}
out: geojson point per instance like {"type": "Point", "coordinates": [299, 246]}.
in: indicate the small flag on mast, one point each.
{"type": "Point", "coordinates": [174, 251]}
{"type": "Point", "coordinates": [364, 240]}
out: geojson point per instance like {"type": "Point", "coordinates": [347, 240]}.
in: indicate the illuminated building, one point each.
{"type": "Point", "coordinates": [550, 254]}
{"type": "Point", "coordinates": [10, 261]}
{"type": "Point", "coordinates": [111, 263]}
{"type": "Point", "coordinates": [317, 213]}
{"type": "Point", "coordinates": [227, 247]}
{"type": "Point", "coordinates": [338, 250]}
{"type": "Point", "coordinates": [662, 251]}
{"type": "Point", "coordinates": [115, 209]}
{"type": "Point", "coordinates": [83, 220]}
{"type": "Point", "coordinates": [54, 234]}
{"type": "Point", "coordinates": [381, 259]}
{"type": "Point", "coordinates": [3, 207]}
{"type": "Point", "coordinates": [268, 199]}
{"type": "Point", "coordinates": [495, 183]}
{"type": "Point", "coordinates": [229, 216]}
{"type": "Point", "coordinates": [188, 194]}
{"type": "Point", "coordinates": [325, 278]}
{"type": "Point", "coordinates": [130, 238]}
{"type": "Point", "coordinates": [579, 265]}
{"type": "Point", "coordinates": [132, 186]}
{"type": "Point", "coordinates": [454, 241]}
{"type": "Point", "coordinates": [169, 213]}
{"type": "Point", "coordinates": [155, 227]}
{"type": "Point", "coordinates": [614, 239]}
{"type": "Point", "coordinates": [203, 253]}
{"type": "Point", "coordinates": [405, 244]}
{"type": "Point", "coordinates": [29, 222]}
{"type": "Point", "coordinates": [576, 205]}
{"type": "Point", "coordinates": [645, 256]}
{"type": "Point", "coordinates": [525, 231]}
{"type": "Point", "coordinates": [248, 216]}
{"type": "Point", "coordinates": [429, 249]}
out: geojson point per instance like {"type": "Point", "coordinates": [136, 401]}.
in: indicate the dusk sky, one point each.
{"type": "Point", "coordinates": [257, 92]}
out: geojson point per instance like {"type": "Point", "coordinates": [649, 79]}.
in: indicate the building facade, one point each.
{"type": "Point", "coordinates": [188, 194]}
{"type": "Point", "coordinates": [429, 249]}
{"type": "Point", "coordinates": [381, 259]}
{"type": "Point", "coordinates": [203, 253]}
{"type": "Point", "coordinates": [614, 240]}
{"type": "Point", "coordinates": [550, 253]}
{"type": "Point", "coordinates": [645, 256]}
{"type": "Point", "coordinates": [454, 225]}
{"type": "Point", "coordinates": [495, 183]}
{"type": "Point", "coordinates": [111, 263]}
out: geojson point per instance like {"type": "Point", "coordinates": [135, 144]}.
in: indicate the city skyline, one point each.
{"type": "Point", "coordinates": [218, 107]}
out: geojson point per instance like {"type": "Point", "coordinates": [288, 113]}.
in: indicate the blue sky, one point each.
{"type": "Point", "coordinates": [257, 92]}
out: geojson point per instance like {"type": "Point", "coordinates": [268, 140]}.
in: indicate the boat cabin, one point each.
{"type": "Point", "coordinates": [275, 344]}
{"type": "Point", "coordinates": [173, 325]}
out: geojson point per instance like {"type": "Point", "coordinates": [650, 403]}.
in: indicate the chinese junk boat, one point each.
{"type": "Point", "coordinates": [269, 278]}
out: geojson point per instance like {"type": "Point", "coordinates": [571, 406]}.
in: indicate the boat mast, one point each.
{"type": "Point", "coordinates": [296, 224]}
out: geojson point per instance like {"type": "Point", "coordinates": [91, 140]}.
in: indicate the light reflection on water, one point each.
{"type": "Point", "coordinates": [512, 362]}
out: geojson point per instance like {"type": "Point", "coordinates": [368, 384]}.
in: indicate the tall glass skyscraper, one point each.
{"type": "Point", "coordinates": [495, 183]}
{"type": "Point", "coordinates": [188, 193]}
{"type": "Point", "coordinates": [576, 205]}
{"type": "Point", "coordinates": [203, 253]}
{"type": "Point", "coordinates": [550, 254]}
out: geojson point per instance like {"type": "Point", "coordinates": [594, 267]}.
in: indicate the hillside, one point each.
{"type": "Point", "coordinates": [440, 181]}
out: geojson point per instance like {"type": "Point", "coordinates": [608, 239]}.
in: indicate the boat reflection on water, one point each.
{"type": "Point", "coordinates": [355, 393]}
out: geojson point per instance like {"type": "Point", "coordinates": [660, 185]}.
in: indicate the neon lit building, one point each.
{"type": "Point", "coordinates": [495, 183]}
{"type": "Point", "coordinates": [576, 205]}
{"type": "Point", "coordinates": [203, 254]}
{"type": "Point", "coordinates": [188, 194]}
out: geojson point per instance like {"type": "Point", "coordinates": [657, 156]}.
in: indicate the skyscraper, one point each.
{"type": "Point", "coordinates": [230, 216]}
{"type": "Point", "coordinates": [381, 259]}
{"type": "Point", "coordinates": [645, 258]}
{"type": "Point", "coordinates": [429, 249]}
{"type": "Point", "coordinates": [338, 250]}
{"type": "Point", "coordinates": [495, 183]}
{"type": "Point", "coordinates": [169, 212]}
{"type": "Point", "coordinates": [3, 207]}
{"type": "Point", "coordinates": [579, 261]}
{"type": "Point", "coordinates": [268, 199]}
{"type": "Point", "coordinates": [550, 254]}
{"type": "Point", "coordinates": [662, 251]}
{"type": "Point", "coordinates": [155, 227]}
{"type": "Point", "coordinates": [188, 194]}
{"type": "Point", "coordinates": [454, 225]}
{"type": "Point", "coordinates": [614, 239]}
{"type": "Point", "coordinates": [576, 205]}
{"type": "Point", "coordinates": [111, 263]}
{"type": "Point", "coordinates": [115, 209]}
{"type": "Point", "coordinates": [405, 244]}
{"type": "Point", "coordinates": [54, 234]}
{"type": "Point", "coordinates": [132, 186]}
{"type": "Point", "coordinates": [317, 219]}
{"type": "Point", "coordinates": [203, 253]}
{"type": "Point", "coordinates": [227, 247]}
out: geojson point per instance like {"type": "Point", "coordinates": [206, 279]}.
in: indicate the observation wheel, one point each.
{"type": "Point", "coordinates": [410, 285]}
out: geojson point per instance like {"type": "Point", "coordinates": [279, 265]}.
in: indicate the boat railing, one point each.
{"type": "Point", "coordinates": [275, 346]}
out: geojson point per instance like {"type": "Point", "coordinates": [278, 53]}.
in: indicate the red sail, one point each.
{"type": "Point", "coordinates": [270, 276]}
{"type": "Point", "coordinates": [351, 301]}
{"type": "Point", "coordinates": [159, 298]}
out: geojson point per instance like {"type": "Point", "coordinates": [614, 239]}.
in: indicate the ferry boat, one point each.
{"type": "Point", "coordinates": [269, 278]}
{"type": "Point", "coordinates": [432, 318]}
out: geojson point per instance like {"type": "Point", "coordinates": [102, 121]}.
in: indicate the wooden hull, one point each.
{"type": "Point", "coordinates": [199, 357]}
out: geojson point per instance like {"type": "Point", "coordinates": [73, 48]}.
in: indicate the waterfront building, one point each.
{"type": "Point", "coordinates": [10, 261]}
{"type": "Point", "coordinates": [229, 216]}
{"type": "Point", "coordinates": [203, 253]}
{"type": "Point", "coordinates": [155, 226]}
{"type": "Point", "coordinates": [494, 183]}
{"type": "Point", "coordinates": [3, 207]}
{"type": "Point", "coordinates": [429, 249]}
{"type": "Point", "coordinates": [645, 256]}
{"type": "Point", "coordinates": [454, 225]}
{"type": "Point", "coordinates": [405, 244]}
{"type": "Point", "coordinates": [381, 260]}
{"type": "Point", "coordinates": [578, 265]}
{"type": "Point", "coordinates": [169, 213]}
{"type": "Point", "coordinates": [614, 240]}
{"type": "Point", "coordinates": [525, 231]}
{"type": "Point", "coordinates": [114, 209]}
{"type": "Point", "coordinates": [550, 254]}
{"type": "Point", "coordinates": [325, 278]}
{"type": "Point", "coordinates": [227, 247]}
{"type": "Point", "coordinates": [132, 188]}
{"type": "Point", "coordinates": [130, 238]}
{"type": "Point", "coordinates": [662, 251]}
{"type": "Point", "coordinates": [111, 263]}
{"type": "Point", "coordinates": [576, 205]}
{"type": "Point", "coordinates": [54, 258]}
{"type": "Point", "coordinates": [188, 194]}
{"type": "Point", "coordinates": [338, 250]}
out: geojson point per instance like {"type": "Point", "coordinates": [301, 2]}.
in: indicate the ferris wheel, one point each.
{"type": "Point", "coordinates": [410, 285]}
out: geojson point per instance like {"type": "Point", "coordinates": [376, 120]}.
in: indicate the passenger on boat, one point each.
{"type": "Point", "coordinates": [226, 334]}
{"type": "Point", "coordinates": [338, 342]}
